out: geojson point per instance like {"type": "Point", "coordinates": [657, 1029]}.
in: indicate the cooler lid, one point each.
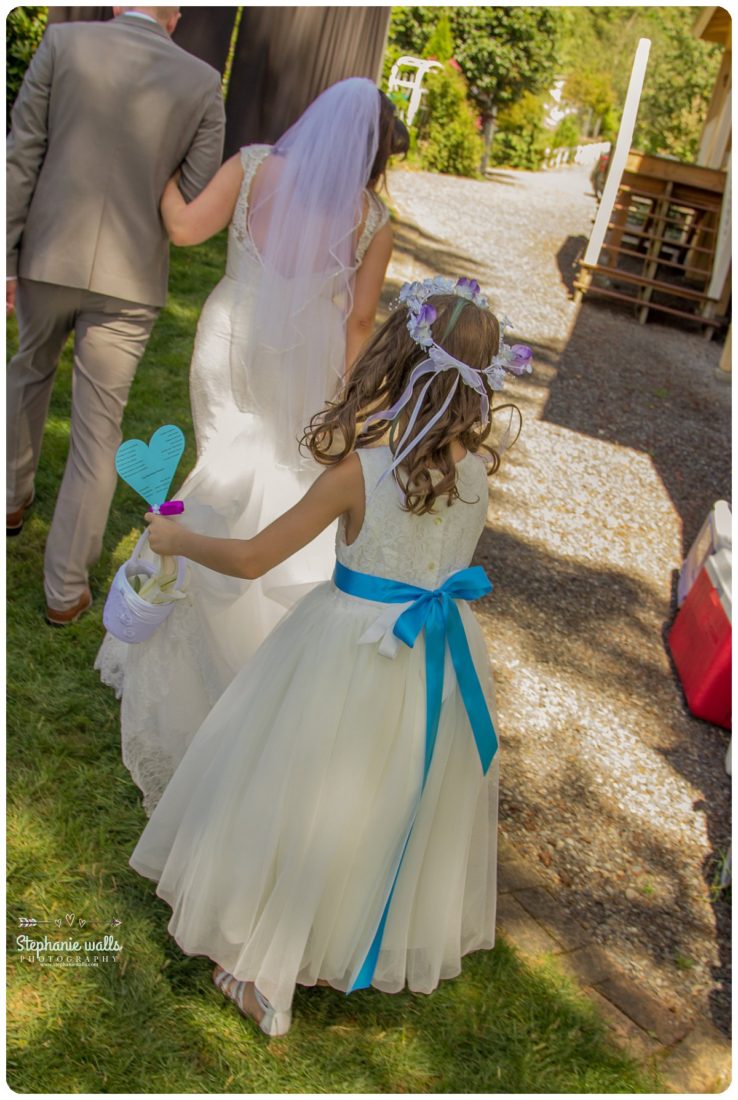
{"type": "Point", "coordinates": [720, 571]}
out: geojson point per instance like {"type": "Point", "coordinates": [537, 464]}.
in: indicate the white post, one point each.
{"type": "Point", "coordinates": [619, 156]}
{"type": "Point", "coordinates": [724, 366]}
{"type": "Point", "coordinates": [721, 259]}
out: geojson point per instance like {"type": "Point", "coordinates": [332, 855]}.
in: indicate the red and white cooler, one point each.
{"type": "Point", "coordinates": [700, 640]}
{"type": "Point", "coordinates": [716, 534]}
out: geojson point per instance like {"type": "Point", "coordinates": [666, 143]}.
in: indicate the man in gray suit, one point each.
{"type": "Point", "coordinates": [107, 112]}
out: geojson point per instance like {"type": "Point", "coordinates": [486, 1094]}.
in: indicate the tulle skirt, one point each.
{"type": "Point", "coordinates": [278, 838]}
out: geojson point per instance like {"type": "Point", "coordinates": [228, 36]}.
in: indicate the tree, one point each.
{"type": "Point", "coordinates": [409, 32]}
{"type": "Point", "coordinates": [504, 53]}
{"type": "Point", "coordinates": [440, 45]}
{"type": "Point", "coordinates": [592, 92]}
{"type": "Point", "coordinates": [596, 50]}
{"type": "Point", "coordinates": [677, 88]}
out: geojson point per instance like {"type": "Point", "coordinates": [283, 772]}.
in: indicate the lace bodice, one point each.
{"type": "Point", "coordinates": [421, 550]}
{"type": "Point", "coordinates": [241, 252]}
{"type": "Point", "coordinates": [377, 215]}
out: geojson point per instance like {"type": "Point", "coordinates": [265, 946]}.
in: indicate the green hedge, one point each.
{"type": "Point", "coordinates": [24, 29]}
{"type": "Point", "coordinates": [449, 141]}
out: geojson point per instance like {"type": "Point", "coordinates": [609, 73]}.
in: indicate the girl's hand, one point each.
{"type": "Point", "coordinates": [165, 535]}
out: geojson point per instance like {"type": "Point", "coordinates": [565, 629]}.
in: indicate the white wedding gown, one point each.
{"type": "Point", "coordinates": [278, 839]}
{"type": "Point", "coordinates": [248, 472]}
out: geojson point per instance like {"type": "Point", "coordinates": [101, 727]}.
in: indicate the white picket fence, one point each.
{"type": "Point", "coordinates": [575, 154]}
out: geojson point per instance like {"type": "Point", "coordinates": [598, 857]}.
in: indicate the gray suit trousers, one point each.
{"type": "Point", "coordinates": [110, 336]}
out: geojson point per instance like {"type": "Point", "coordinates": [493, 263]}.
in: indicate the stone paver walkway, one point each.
{"type": "Point", "coordinates": [691, 1054]}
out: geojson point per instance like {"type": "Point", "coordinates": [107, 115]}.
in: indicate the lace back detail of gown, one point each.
{"type": "Point", "coordinates": [377, 215]}
{"type": "Point", "coordinates": [251, 157]}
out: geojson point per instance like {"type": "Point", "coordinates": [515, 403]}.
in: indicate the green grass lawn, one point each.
{"type": "Point", "coordinates": [151, 1021]}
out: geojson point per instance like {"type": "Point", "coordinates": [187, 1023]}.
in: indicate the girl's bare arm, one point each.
{"type": "Point", "coordinates": [337, 491]}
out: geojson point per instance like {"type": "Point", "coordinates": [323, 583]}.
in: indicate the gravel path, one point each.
{"type": "Point", "coordinates": [616, 794]}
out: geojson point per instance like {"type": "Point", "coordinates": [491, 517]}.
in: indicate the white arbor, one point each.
{"type": "Point", "coordinates": [408, 73]}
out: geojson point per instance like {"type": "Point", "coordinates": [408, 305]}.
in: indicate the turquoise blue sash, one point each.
{"type": "Point", "coordinates": [436, 612]}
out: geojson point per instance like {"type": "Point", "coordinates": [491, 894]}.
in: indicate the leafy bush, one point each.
{"type": "Point", "coordinates": [448, 138]}
{"type": "Point", "coordinates": [521, 137]}
{"type": "Point", "coordinates": [567, 133]}
{"type": "Point", "coordinates": [440, 45]}
{"type": "Point", "coordinates": [24, 30]}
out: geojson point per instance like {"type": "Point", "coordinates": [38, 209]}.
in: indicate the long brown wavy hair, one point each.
{"type": "Point", "coordinates": [379, 378]}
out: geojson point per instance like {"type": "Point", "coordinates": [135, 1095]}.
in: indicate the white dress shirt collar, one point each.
{"type": "Point", "coordinates": [140, 15]}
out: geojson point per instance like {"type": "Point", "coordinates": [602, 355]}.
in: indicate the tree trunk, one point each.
{"type": "Point", "coordinates": [489, 121]}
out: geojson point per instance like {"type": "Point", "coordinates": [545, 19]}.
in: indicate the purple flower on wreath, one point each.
{"type": "Point", "coordinates": [518, 359]}
{"type": "Point", "coordinates": [467, 288]}
{"type": "Point", "coordinates": [419, 324]}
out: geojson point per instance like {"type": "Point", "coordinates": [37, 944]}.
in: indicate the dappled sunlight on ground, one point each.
{"type": "Point", "coordinates": [560, 492]}
{"type": "Point", "coordinates": [608, 785]}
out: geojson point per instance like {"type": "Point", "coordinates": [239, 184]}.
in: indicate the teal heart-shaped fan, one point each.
{"type": "Point", "coordinates": [150, 467]}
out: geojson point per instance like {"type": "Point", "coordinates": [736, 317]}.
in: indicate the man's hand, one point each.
{"type": "Point", "coordinates": [165, 535]}
{"type": "Point", "coordinates": [10, 288]}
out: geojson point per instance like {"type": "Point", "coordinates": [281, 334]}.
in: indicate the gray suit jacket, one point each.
{"type": "Point", "coordinates": [106, 113]}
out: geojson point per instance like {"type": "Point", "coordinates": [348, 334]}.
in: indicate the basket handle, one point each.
{"type": "Point", "coordinates": [143, 540]}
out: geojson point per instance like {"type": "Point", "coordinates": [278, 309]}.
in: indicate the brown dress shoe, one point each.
{"type": "Point", "coordinates": [64, 618]}
{"type": "Point", "coordinates": [14, 520]}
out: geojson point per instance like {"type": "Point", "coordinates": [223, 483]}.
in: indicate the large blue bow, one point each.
{"type": "Point", "coordinates": [437, 613]}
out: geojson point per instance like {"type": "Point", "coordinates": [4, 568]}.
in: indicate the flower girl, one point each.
{"type": "Point", "coordinates": [334, 819]}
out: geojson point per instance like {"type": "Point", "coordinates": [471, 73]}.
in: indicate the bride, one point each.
{"type": "Point", "coordinates": [308, 246]}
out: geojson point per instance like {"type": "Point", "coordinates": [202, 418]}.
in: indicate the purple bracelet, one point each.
{"type": "Point", "coordinates": [168, 508]}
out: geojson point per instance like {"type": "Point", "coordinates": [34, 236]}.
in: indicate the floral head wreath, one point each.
{"type": "Point", "coordinates": [515, 359]}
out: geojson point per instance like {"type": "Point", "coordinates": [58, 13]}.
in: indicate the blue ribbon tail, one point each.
{"type": "Point", "coordinates": [435, 658]}
{"type": "Point", "coordinates": [471, 690]}
{"type": "Point", "coordinates": [364, 978]}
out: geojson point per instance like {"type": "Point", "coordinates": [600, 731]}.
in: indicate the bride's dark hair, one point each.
{"type": "Point", "coordinates": [379, 378]}
{"type": "Point", "coordinates": [393, 139]}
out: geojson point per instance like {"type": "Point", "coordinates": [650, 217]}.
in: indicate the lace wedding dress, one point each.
{"type": "Point", "coordinates": [248, 472]}
{"type": "Point", "coordinates": [277, 841]}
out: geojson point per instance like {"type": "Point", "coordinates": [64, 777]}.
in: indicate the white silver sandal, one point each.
{"type": "Point", "coordinates": [271, 1022]}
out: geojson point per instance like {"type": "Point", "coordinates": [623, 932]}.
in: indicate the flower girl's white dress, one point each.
{"type": "Point", "coordinates": [248, 473]}
{"type": "Point", "coordinates": [278, 839]}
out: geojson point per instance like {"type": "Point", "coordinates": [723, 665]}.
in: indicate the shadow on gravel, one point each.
{"type": "Point", "coordinates": [600, 627]}
{"type": "Point", "coordinates": [651, 388]}
{"type": "Point", "coordinates": [433, 252]}
{"type": "Point", "coordinates": [566, 258]}
{"type": "Point", "coordinates": [494, 175]}
{"type": "Point", "coordinates": [573, 616]}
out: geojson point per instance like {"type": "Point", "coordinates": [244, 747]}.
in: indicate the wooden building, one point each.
{"type": "Point", "coordinates": [667, 245]}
